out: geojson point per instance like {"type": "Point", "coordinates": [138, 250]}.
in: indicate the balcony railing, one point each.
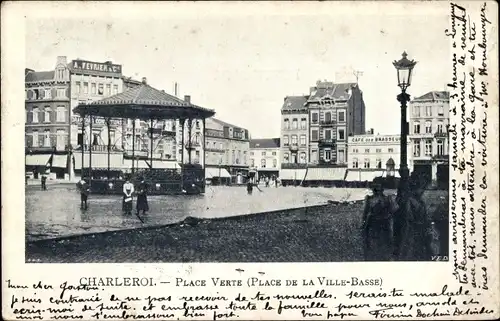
{"type": "Point", "coordinates": [326, 142]}
{"type": "Point", "coordinates": [293, 147]}
{"type": "Point", "coordinates": [441, 134]}
{"type": "Point", "coordinates": [327, 122]}
{"type": "Point", "coordinates": [293, 165]}
{"type": "Point", "coordinates": [212, 149]}
{"type": "Point", "coordinates": [440, 157]}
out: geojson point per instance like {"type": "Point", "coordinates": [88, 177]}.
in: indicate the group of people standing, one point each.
{"type": "Point", "coordinates": [129, 190]}
{"type": "Point", "coordinates": [397, 229]}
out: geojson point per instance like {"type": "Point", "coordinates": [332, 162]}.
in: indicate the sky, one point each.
{"type": "Point", "coordinates": [242, 61]}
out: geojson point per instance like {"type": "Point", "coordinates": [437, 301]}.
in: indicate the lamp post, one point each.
{"type": "Point", "coordinates": [404, 68]}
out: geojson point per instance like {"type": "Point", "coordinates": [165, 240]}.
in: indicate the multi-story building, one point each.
{"type": "Point", "coordinates": [315, 129]}
{"type": "Point", "coordinates": [226, 147]}
{"type": "Point", "coordinates": [265, 157]}
{"type": "Point", "coordinates": [373, 155]}
{"type": "Point", "coordinates": [429, 145]}
{"type": "Point", "coordinates": [47, 126]}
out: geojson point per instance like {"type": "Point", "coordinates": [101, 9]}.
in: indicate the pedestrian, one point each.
{"type": "Point", "coordinates": [267, 181]}
{"type": "Point", "coordinates": [142, 198]}
{"type": "Point", "coordinates": [128, 190]}
{"type": "Point", "coordinates": [84, 193]}
{"type": "Point", "coordinates": [377, 225]}
{"type": "Point", "coordinates": [44, 182]}
{"type": "Point", "coordinates": [249, 187]}
{"type": "Point", "coordinates": [416, 228]}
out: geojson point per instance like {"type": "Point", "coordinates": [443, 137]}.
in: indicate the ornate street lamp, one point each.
{"type": "Point", "coordinates": [404, 68]}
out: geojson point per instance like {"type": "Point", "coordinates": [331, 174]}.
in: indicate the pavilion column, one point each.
{"type": "Point", "coordinates": [190, 125]}
{"type": "Point", "coordinates": [203, 148]}
{"type": "Point", "coordinates": [151, 141]}
{"type": "Point", "coordinates": [83, 145]}
{"type": "Point", "coordinates": [108, 124]}
{"type": "Point", "coordinates": [182, 122]}
{"type": "Point", "coordinates": [133, 145]}
{"type": "Point", "coordinates": [91, 134]}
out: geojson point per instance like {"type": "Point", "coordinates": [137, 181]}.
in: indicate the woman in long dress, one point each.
{"type": "Point", "coordinates": [142, 198]}
{"type": "Point", "coordinates": [377, 225]}
{"type": "Point", "coordinates": [128, 190]}
{"type": "Point", "coordinates": [416, 229]}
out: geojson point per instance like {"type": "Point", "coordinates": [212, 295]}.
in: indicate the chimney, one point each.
{"type": "Point", "coordinates": [187, 99]}
{"type": "Point", "coordinates": [176, 93]}
{"type": "Point", "coordinates": [144, 80]}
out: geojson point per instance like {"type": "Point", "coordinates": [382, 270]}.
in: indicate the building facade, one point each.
{"type": "Point", "coordinates": [48, 114]}
{"type": "Point", "coordinates": [294, 132]}
{"type": "Point", "coordinates": [429, 144]}
{"type": "Point", "coordinates": [226, 147]}
{"type": "Point", "coordinates": [265, 156]}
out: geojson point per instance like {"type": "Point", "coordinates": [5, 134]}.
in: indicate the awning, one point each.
{"type": "Point", "coordinates": [363, 175]}
{"type": "Point", "coordinates": [295, 174]}
{"type": "Point", "coordinates": [37, 160]}
{"type": "Point", "coordinates": [60, 161]}
{"type": "Point", "coordinates": [100, 160]}
{"type": "Point", "coordinates": [216, 172]}
{"type": "Point", "coordinates": [272, 169]}
{"type": "Point", "coordinates": [353, 176]}
{"type": "Point", "coordinates": [127, 163]}
{"type": "Point", "coordinates": [326, 174]}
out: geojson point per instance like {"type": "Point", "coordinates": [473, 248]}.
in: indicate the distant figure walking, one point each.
{"type": "Point", "coordinates": [44, 182]}
{"type": "Point", "coordinates": [377, 225]}
{"type": "Point", "coordinates": [142, 198]}
{"type": "Point", "coordinates": [128, 190]}
{"type": "Point", "coordinates": [84, 193]}
{"type": "Point", "coordinates": [249, 187]}
{"type": "Point", "coordinates": [267, 181]}
{"type": "Point", "coordinates": [416, 229]}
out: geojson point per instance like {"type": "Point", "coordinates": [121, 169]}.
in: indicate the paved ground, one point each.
{"type": "Point", "coordinates": [320, 234]}
{"type": "Point", "coordinates": [56, 212]}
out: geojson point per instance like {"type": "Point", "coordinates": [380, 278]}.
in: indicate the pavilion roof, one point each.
{"type": "Point", "coordinates": [144, 102]}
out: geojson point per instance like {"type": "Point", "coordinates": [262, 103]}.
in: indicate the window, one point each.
{"type": "Point", "coordinates": [251, 153]}
{"type": "Point", "coordinates": [294, 123]}
{"type": "Point", "coordinates": [46, 115]}
{"type": "Point", "coordinates": [428, 127]}
{"type": "Point", "coordinates": [416, 111]}
{"type": "Point", "coordinates": [314, 117]}
{"type": "Point", "coordinates": [378, 150]}
{"type": "Point", "coordinates": [440, 147]}
{"type": "Point", "coordinates": [274, 153]}
{"type": "Point", "coordinates": [35, 139]}
{"type": "Point", "coordinates": [303, 140]}
{"type": "Point", "coordinates": [328, 155]}
{"type": "Point", "coordinates": [428, 111]}
{"type": "Point", "coordinates": [379, 163]}
{"type": "Point", "coordinates": [286, 157]}
{"type": "Point", "coordinates": [367, 163]}
{"type": "Point", "coordinates": [341, 134]}
{"type": "Point", "coordinates": [287, 123]}
{"type": "Point", "coordinates": [85, 87]}
{"type": "Point", "coordinates": [108, 90]}
{"type": "Point", "coordinates": [61, 92]}
{"type": "Point", "coordinates": [220, 146]}
{"type": "Point", "coordinates": [197, 124]}
{"type": "Point", "coordinates": [35, 115]}
{"type": "Point", "coordinates": [302, 159]}
{"type": "Point", "coordinates": [115, 89]}
{"type": "Point", "coordinates": [233, 156]}
{"type": "Point", "coordinates": [314, 156]}
{"type": "Point", "coordinates": [275, 163]}
{"type": "Point", "coordinates": [60, 139]}
{"type": "Point", "coordinates": [367, 150]}
{"type": "Point", "coordinates": [48, 93]}
{"type": "Point", "coordinates": [328, 134]}
{"type": "Point", "coordinates": [46, 138]}
{"type": "Point", "coordinates": [77, 87]}
{"type": "Point", "coordinates": [61, 114]}
{"type": "Point", "coordinates": [328, 117]}
{"type": "Point", "coordinates": [355, 163]}
{"type": "Point", "coordinates": [100, 89]}
{"type": "Point", "coordinates": [390, 150]}
{"type": "Point", "coordinates": [416, 148]}
{"type": "Point", "coordinates": [428, 147]}
{"type": "Point", "coordinates": [440, 127]}
{"type": "Point", "coordinates": [294, 139]}
{"type": "Point", "coordinates": [303, 123]}
{"type": "Point", "coordinates": [314, 135]}
{"type": "Point", "coordinates": [252, 162]}
{"type": "Point", "coordinates": [263, 163]}
{"type": "Point", "coordinates": [441, 111]}
{"type": "Point", "coordinates": [416, 127]}
{"type": "Point", "coordinates": [341, 116]}
{"type": "Point", "coordinates": [263, 153]}
{"type": "Point", "coordinates": [93, 88]}
{"type": "Point", "coordinates": [341, 158]}
{"type": "Point", "coordinates": [354, 150]}
{"type": "Point", "coordinates": [285, 141]}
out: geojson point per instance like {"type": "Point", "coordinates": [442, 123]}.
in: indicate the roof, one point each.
{"type": "Point", "coordinates": [434, 95]}
{"type": "Point", "coordinates": [295, 103]}
{"type": "Point", "coordinates": [143, 102]}
{"type": "Point", "coordinates": [265, 143]}
{"type": "Point", "coordinates": [331, 90]}
{"type": "Point", "coordinates": [130, 80]}
{"type": "Point", "coordinates": [223, 123]}
{"type": "Point", "coordinates": [33, 76]}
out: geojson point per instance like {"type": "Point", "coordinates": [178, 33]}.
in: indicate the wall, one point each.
{"type": "Point", "coordinates": [374, 148]}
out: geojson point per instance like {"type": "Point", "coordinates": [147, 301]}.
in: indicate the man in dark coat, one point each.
{"type": "Point", "coordinates": [142, 198]}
